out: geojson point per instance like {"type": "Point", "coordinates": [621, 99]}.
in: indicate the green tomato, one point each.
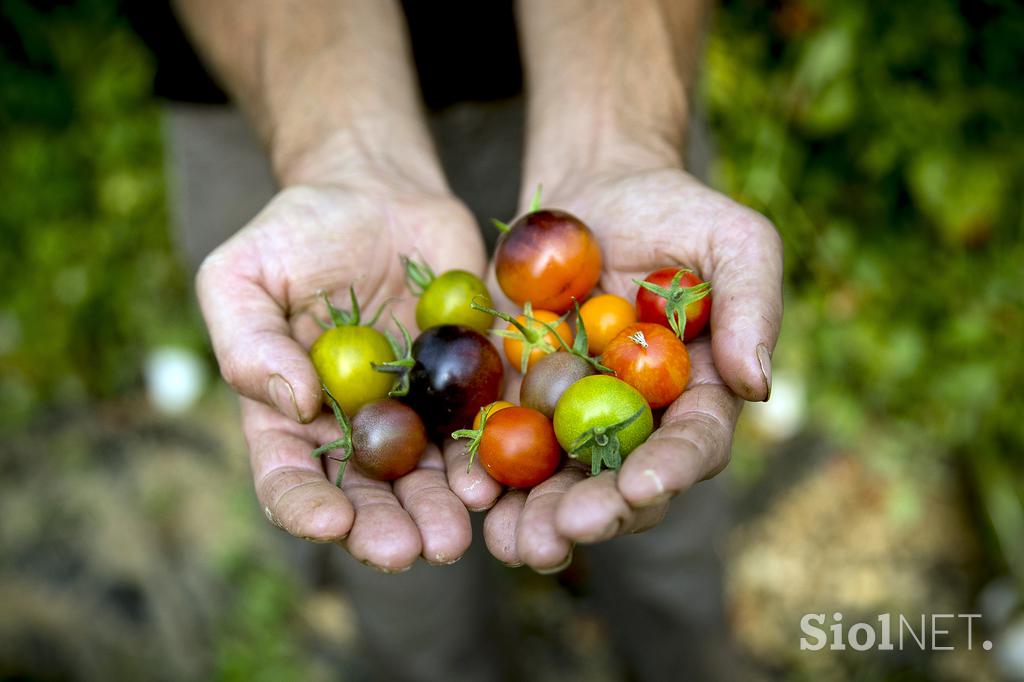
{"type": "Point", "coordinates": [343, 356]}
{"type": "Point", "coordinates": [598, 409]}
{"type": "Point", "coordinates": [446, 301]}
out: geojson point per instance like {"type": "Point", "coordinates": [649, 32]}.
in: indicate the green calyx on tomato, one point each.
{"type": "Point", "coordinates": [603, 444]}
{"type": "Point", "coordinates": [474, 436]}
{"type": "Point", "coordinates": [532, 335]}
{"type": "Point", "coordinates": [347, 318]}
{"type": "Point", "coordinates": [534, 206]}
{"type": "Point", "coordinates": [446, 298]}
{"type": "Point", "coordinates": [344, 443]}
{"type": "Point", "coordinates": [600, 419]}
{"type": "Point", "coordinates": [677, 297]}
{"type": "Point", "coordinates": [344, 353]}
{"type": "Point", "coordinates": [580, 345]}
{"type": "Point", "coordinates": [419, 276]}
{"type": "Point", "coordinates": [401, 365]}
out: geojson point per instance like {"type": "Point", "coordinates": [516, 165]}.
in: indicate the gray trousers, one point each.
{"type": "Point", "coordinates": [660, 591]}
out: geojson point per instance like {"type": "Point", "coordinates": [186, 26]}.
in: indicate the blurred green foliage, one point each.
{"type": "Point", "coordinates": [89, 278]}
{"type": "Point", "coordinates": [884, 140]}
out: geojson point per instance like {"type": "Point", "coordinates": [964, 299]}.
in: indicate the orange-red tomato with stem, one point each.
{"type": "Point", "coordinates": [651, 359]}
{"type": "Point", "coordinates": [548, 257]}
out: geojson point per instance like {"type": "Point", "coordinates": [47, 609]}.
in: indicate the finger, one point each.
{"type": "Point", "coordinates": [693, 442]}
{"type": "Point", "coordinates": [441, 517]}
{"type": "Point", "coordinates": [501, 525]}
{"type": "Point", "coordinates": [292, 489]}
{"type": "Point", "coordinates": [470, 482]}
{"type": "Point", "coordinates": [538, 543]}
{"type": "Point", "coordinates": [251, 338]}
{"type": "Point", "coordinates": [383, 534]}
{"type": "Point", "coordinates": [747, 308]}
{"type": "Point", "coordinates": [594, 510]}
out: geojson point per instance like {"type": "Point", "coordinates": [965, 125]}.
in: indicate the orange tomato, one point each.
{"type": "Point", "coordinates": [538, 338]}
{"type": "Point", "coordinates": [604, 317]}
{"type": "Point", "coordinates": [489, 410]}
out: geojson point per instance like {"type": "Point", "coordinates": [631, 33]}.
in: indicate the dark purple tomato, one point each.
{"type": "Point", "coordinates": [388, 439]}
{"type": "Point", "coordinates": [457, 372]}
{"type": "Point", "coordinates": [547, 380]}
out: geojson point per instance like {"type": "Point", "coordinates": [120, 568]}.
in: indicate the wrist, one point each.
{"type": "Point", "coordinates": [567, 164]}
{"type": "Point", "coordinates": [357, 155]}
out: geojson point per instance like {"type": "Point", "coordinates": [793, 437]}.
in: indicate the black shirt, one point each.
{"type": "Point", "coordinates": [465, 50]}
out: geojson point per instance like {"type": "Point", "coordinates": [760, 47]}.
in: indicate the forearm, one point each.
{"type": "Point", "coordinates": [607, 82]}
{"type": "Point", "coordinates": [329, 85]}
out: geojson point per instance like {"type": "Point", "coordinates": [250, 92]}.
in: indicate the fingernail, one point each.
{"type": "Point", "coordinates": [442, 560]}
{"type": "Point", "coordinates": [556, 569]}
{"type": "Point", "coordinates": [764, 358]}
{"type": "Point", "coordinates": [283, 397]}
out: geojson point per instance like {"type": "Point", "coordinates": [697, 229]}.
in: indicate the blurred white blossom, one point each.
{"type": "Point", "coordinates": [175, 378]}
{"type": "Point", "coordinates": [785, 412]}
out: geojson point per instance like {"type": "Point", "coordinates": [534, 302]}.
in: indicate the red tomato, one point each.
{"type": "Point", "coordinates": [651, 359]}
{"type": "Point", "coordinates": [650, 306]}
{"type": "Point", "coordinates": [518, 447]}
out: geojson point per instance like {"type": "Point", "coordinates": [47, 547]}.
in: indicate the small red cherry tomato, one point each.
{"type": "Point", "coordinates": [658, 297]}
{"type": "Point", "coordinates": [518, 447]}
{"type": "Point", "coordinates": [651, 359]}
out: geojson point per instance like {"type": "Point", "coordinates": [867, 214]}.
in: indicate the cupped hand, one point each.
{"type": "Point", "coordinates": [259, 295]}
{"type": "Point", "coordinates": [646, 220]}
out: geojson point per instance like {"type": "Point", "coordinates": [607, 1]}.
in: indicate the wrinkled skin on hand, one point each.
{"type": "Point", "coordinates": [645, 220]}
{"type": "Point", "coordinates": [258, 292]}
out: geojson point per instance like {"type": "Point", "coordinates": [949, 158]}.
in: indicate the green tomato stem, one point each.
{"type": "Point", "coordinates": [581, 344]}
{"type": "Point", "coordinates": [402, 364]}
{"type": "Point", "coordinates": [603, 444]}
{"type": "Point", "coordinates": [531, 338]}
{"type": "Point", "coordinates": [418, 276]}
{"type": "Point", "coordinates": [474, 436]}
{"type": "Point", "coordinates": [344, 443]}
{"type": "Point", "coordinates": [677, 298]}
{"type": "Point", "coordinates": [346, 318]}
{"type": "Point", "coordinates": [534, 207]}
{"type": "Point", "coordinates": [535, 201]}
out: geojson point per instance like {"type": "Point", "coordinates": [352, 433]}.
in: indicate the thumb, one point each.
{"type": "Point", "coordinates": [747, 309]}
{"type": "Point", "coordinates": [252, 340]}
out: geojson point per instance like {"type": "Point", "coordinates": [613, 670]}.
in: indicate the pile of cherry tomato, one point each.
{"type": "Point", "coordinates": [594, 367]}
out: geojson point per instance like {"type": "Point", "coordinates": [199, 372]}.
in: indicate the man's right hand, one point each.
{"type": "Point", "coordinates": [258, 294]}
